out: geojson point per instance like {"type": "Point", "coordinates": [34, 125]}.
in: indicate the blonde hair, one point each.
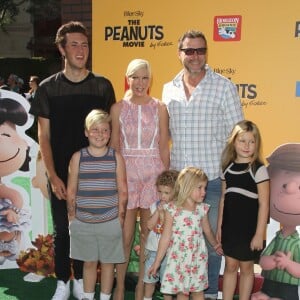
{"type": "Point", "coordinates": [229, 153]}
{"type": "Point", "coordinates": [187, 181]}
{"type": "Point", "coordinates": [96, 116]}
{"type": "Point", "coordinates": [133, 67]}
{"type": "Point", "coordinates": [136, 65]}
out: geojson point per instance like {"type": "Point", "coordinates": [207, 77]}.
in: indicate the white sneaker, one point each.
{"type": "Point", "coordinates": [62, 291]}
{"type": "Point", "coordinates": [78, 288]}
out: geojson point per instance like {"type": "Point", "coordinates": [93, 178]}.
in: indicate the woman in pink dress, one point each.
{"type": "Point", "coordinates": [140, 131]}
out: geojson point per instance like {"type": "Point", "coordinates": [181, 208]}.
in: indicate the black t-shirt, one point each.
{"type": "Point", "coordinates": [66, 104]}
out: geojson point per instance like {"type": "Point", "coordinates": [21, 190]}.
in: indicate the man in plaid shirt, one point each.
{"type": "Point", "coordinates": [203, 107]}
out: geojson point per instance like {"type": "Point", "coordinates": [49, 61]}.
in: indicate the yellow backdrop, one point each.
{"type": "Point", "coordinates": [255, 43]}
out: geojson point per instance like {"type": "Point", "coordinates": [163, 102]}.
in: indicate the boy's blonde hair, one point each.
{"type": "Point", "coordinates": [187, 181]}
{"type": "Point", "coordinates": [96, 116]}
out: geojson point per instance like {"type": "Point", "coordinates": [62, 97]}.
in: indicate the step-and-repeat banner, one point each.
{"type": "Point", "coordinates": [256, 44]}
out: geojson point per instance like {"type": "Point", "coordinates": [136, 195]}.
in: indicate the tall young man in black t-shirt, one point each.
{"type": "Point", "coordinates": [61, 104]}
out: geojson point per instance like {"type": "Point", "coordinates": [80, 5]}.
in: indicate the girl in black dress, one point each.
{"type": "Point", "coordinates": [244, 208]}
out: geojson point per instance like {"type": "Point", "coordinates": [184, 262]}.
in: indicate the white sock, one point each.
{"type": "Point", "coordinates": [89, 296]}
{"type": "Point", "coordinates": [104, 296]}
{"type": "Point", "coordinates": [145, 298]}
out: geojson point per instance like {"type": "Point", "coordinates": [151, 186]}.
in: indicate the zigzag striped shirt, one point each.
{"type": "Point", "coordinates": [97, 197]}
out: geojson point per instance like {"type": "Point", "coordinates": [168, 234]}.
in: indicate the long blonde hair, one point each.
{"type": "Point", "coordinates": [229, 153]}
{"type": "Point", "coordinates": [186, 182]}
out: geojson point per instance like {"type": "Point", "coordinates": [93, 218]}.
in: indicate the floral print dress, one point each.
{"type": "Point", "coordinates": [186, 269]}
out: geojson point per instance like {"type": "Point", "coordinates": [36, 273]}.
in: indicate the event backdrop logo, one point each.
{"type": "Point", "coordinates": [227, 28]}
{"type": "Point", "coordinates": [134, 33]}
{"type": "Point", "coordinates": [247, 91]}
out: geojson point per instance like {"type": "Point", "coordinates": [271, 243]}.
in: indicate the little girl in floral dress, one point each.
{"type": "Point", "coordinates": [183, 240]}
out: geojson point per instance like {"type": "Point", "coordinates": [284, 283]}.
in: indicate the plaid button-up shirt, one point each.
{"type": "Point", "coordinates": [200, 126]}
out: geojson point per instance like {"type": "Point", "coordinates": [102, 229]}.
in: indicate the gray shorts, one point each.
{"type": "Point", "coordinates": [97, 242]}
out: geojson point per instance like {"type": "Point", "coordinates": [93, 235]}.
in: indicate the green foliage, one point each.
{"type": "Point", "coordinates": [39, 10]}
{"type": "Point", "coordinates": [9, 9]}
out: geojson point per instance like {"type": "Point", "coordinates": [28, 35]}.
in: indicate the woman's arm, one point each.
{"type": "Point", "coordinates": [164, 136]}
{"type": "Point", "coordinates": [115, 126]}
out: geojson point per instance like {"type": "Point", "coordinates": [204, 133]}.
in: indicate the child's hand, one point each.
{"type": "Point", "coordinates": [11, 215]}
{"type": "Point", "coordinates": [160, 207]}
{"type": "Point", "coordinates": [152, 271]}
{"type": "Point", "coordinates": [71, 218]}
{"type": "Point", "coordinates": [267, 262]}
{"type": "Point", "coordinates": [256, 243]}
{"type": "Point", "coordinates": [282, 260]}
{"type": "Point", "coordinates": [137, 249]}
{"type": "Point", "coordinates": [218, 249]}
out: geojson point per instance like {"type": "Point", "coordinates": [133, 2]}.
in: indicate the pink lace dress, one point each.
{"type": "Point", "coordinates": [139, 138]}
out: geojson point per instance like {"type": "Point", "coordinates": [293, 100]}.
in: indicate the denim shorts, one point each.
{"type": "Point", "coordinates": [150, 258]}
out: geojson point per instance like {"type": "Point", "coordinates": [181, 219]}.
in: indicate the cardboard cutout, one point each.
{"type": "Point", "coordinates": [15, 212]}
{"type": "Point", "coordinates": [280, 261]}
